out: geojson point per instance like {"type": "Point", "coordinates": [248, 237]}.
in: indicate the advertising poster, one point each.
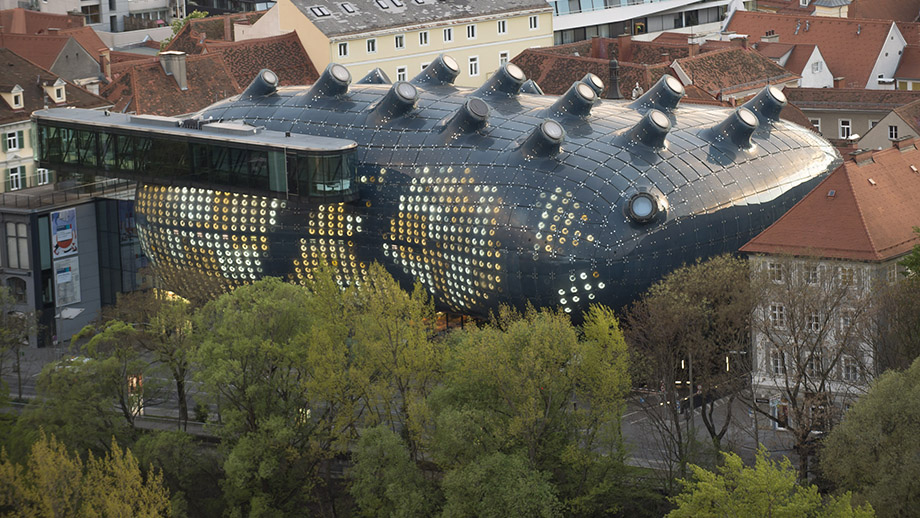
{"type": "Point", "coordinates": [67, 280]}
{"type": "Point", "coordinates": [63, 233]}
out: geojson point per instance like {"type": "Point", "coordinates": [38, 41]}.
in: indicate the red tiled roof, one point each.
{"type": "Point", "coordinates": [88, 39]}
{"type": "Point", "coordinates": [283, 54]}
{"type": "Point", "coordinates": [144, 88]}
{"type": "Point", "coordinates": [864, 220]}
{"type": "Point", "coordinates": [774, 49]}
{"type": "Point", "coordinates": [23, 21]}
{"type": "Point", "coordinates": [214, 28]}
{"type": "Point", "coordinates": [555, 73]}
{"type": "Point", "coordinates": [910, 113]}
{"type": "Point", "coordinates": [733, 69]}
{"type": "Point", "coordinates": [42, 50]}
{"type": "Point", "coordinates": [849, 98]}
{"type": "Point", "coordinates": [672, 38]}
{"type": "Point", "coordinates": [785, 6]}
{"type": "Point", "coordinates": [799, 58]}
{"type": "Point", "coordinates": [909, 67]}
{"type": "Point", "coordinates": [30, 77]}
{"type": "Point", "coordinates": [897, 10]}
{"type": "Point", "coordinates": [910, 31]}
{"type": "Point", "coordinates": [847, 54]}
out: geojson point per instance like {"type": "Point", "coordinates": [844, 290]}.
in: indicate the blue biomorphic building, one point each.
{"type": "Point", "coordinates": [487, 196]}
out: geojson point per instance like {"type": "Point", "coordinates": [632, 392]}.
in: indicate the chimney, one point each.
{"type": "Point", "coordinates": [105, 63]}
{"type": "Point", "coordinates": [905, 143]}
{"type": "Point", "coordinates": [624, 48]}
{"type": "Point", "coordinates": [861, 156]}
{"type": "Point", "coordinates": [770, 38]}
{"type": "Point", "coordinates": [598, 48]}
{"type": "Point", "coordinates": [53, 30]}
{"type": "Point", "coordinates": [838, 82]}
{"type": "Point", "coordinates": [613, 81]}
{"type": "Point", "coordinates": [173, 63]}
{"type": "Point", "coordinates": [693, 49]}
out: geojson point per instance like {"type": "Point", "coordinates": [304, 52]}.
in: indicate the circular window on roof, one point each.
{"type": "Point", "coordinates": [642, 207]}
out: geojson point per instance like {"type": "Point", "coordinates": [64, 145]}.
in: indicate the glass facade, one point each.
{"type": "Point", "coordinates": [169, 159]}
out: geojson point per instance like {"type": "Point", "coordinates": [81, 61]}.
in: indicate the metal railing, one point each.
{"type": "Point", "coordinates": [55, 196]}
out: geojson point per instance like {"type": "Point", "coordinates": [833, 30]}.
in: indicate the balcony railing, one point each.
{"type": "Point", "coordinates": [50, 195]}
{"type": "Point", "coordinates": [562, 7]}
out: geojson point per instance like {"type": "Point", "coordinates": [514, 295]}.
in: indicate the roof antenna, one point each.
{"type": "Point", "coordinates": [798, 23]}
{"type": "Point", "coordinates": [858, 29]}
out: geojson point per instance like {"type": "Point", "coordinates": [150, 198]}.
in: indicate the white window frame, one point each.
{"type": "Point", "coordinates": [892, 131]}
{"type": "Point", "coordinates": [844, 128]}
{"type": "Point", "coordinates": [816, 67]}
{"type": "Point", "coordinates": [777, 363]}
{"type": "Point", "coordinates": [343, 49]}
{"type": "Point", "coordinates": [423, 39]}
{"type": "Point", "coordinates": [16, 176]}
{"type": "Point", "coordinates": [448, 34]}
{"type": "Point", "coordinates": [502, 26]}
{"type": "Point", "coordinates": [872, 123]}
{"type": "Point", "coordinates": [401, 74]}
{"type": "Point", "coordinates": [425, 65]}
{"type": "Point", "coordinates": [59, 93]}
{"type": "Point", "coordinates": [473, 68]}
{"type": "Point", "coordinates": [17, 100]}
{"type": "Point", "coordinates": [777, 272]}
{"type": "Point", "coordinates": [12, 141]}
{"type": "Point", "coordinates": [399, 41]}
{"type": "Point", "coordinates": [846, 275]}
{"type": "Point", "coordinates": [371, 46]}
{"type": "Point", "coordinates": [777, 315]}
{"type": "Point", "coordinates": [814, 365]}
{"type": "Point", "coordinates": [43, 176]}
{"type": "Point", "coordinates": [533, 22]}
{"type": "Point", "coordinates": [816, 123]}
{"type": "Point", "coordinates": [813, 322]}
{"type": "Point", "coordinates": [503, 58]}
{"type": "Point", "coordinates": [850, 369]}
{"type": "Point", "coordinates": [471, 31]}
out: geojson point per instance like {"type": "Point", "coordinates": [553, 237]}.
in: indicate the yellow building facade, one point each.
{"type": "Point", "coordinates": [480, 42]}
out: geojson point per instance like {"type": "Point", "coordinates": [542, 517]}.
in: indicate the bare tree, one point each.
{"type": "Point", "coordinates": [811, 355]}
{"type": "Point", "coordinates": [15, 329]}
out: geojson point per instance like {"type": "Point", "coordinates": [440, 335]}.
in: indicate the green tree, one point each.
{"type": "Point", "coordinates": [55, 483]}
{"type": "Point", "coordinates": [385, 480]}
{"type": "Point", "coordinates": [499, 485]}
{"type": "Point", "coordinates": [768, 489]}
{"type": "Point", "coordinates": [875, 450]}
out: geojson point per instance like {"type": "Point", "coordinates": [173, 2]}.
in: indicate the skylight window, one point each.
{"type": "Point", "coordinates": [381, 4]}
{"type": "Point", "coordinates": [320, 11]}
{"type": "Point", "coordinates": [420, 2]}
{"type": "Point", "coordinates": [348, 8]}
{"type": "Point", "coordinates": [398, 3]}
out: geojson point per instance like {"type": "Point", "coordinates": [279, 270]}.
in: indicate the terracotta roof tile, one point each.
{"type": "Point", "coordinates": [909, 67]}
{"type": "Point", "coordinates": [20, 71]}
{"type": "Point", "coordinates": [911, 114]}
{"type": "Point", "coordinates": [214, 28]}
{"type": "Point", "coordinates": [864, 220]}
{"type": "Point", "coordinates": [897, 10]}
{"type": "Point", "coordinates": [849, 98]}
{"type": "Point", "coordinates": [283, 54]}
{"type": "Point", "coordinates": [799, 58]}
{"type": "Point", "coordinates": [672, 38]}
{"type": "Point", "coordinates": [88, 39]}
{"type": "Point", "coordinates": [143, 87]}
{"type": "Point", "coordinates": [774, 49]}
{"type": "Point", "coordinates": [23, 21]}
{"type": "Point", "coordinates": [847, 54]}
{"type": "Point", "coordinates": [732, 70]}
{"type": "Point", "coordinates": [910, 31]}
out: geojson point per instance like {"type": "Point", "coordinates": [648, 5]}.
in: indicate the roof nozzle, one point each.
{"type": "Point", "coordinates": [767, 104]}
{"type": "Point", "coordinates": [375, 77]}
{"type": "Point", "coordinates": [531, 87]}
{"type": "Point", "coordinates": [594, 82]}
{"type": "Point", "coordinates": [651, 130]}
{"type": "Point", "coordinates": [736, 129]}
{"type": "Point", "coordinates": [442, 71]}
{"type": "Point", "coordinates": [545, 140]}
{"type": "Point", "coordinates": [265, 83]}
{"type": "Point", "coordinates": [663, 96]}
{"type": "Point", "coordinates": [506, 81]}
{"type": "Point", "coordinates": [472, 116]}
{"type": "Point", "coordinates": [399, 100]}
{"type": "Point", "coordinates": [333, 81]}
{"type": "Point", "coordinates": [577, 101]}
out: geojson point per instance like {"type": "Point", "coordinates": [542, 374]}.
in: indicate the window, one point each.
{"type": "Point", "coordinates": [17, 288]}
{"type": "Point", "coordinates": [424, 66]}
{"type": "Point", "coordinates": [400, 73]}
{"type": "Point", "coordinates": [816, 67]}
{"type": "Point", "coordinates": [343, 50]}
{"type": "Point", "coordinates": [812, 274]}
{"type": "Point", "coordinates": [813, 322]}
{"type": "Point", "coordinates": [17, 100]}
{"type": "Point", "coordinates": [846, 320]}
{"type": "Point", "coordinates": [372, 46]}
{"type": "Point", "coordinates": [471, 32]}
{"type": "Point", "coordinates": [816, 123]}
{"type": "Point", "coordinates": [872, 124]}
{"type": "Point", "coordinates": [502, 27]}
{"type": "Point", "coordinates": [423, 38]}
{"type": "Point", "coordinates": [448, 35]}
{"type": "Point", "coordinates": [15, 178]}
{"type": "Point", "coordinates": [320, 11]}
{"type": "Point", "coordinates": [850, 369]}
{"type": "Point", "coordinates": [59, 93]}
{"type": "Point", "coordinates": [846, 275]}
{"type": "Point", "coordinates": [348, 8]}
{"type": "Point", "coordinates": [91, 13]}
{"type": "Point", "coordinates": [400, 40]}
{"type": "Point", "coordinates": [534, 22]}
{"type": "Point", "coordinates": [782, 410]}
{"type": "Point", "coordinates": [777, 272]}
{"type": "Point", "coordinates": [43, 176]}
{"type": "Point", "coordinates": [844, 128]}
{"type": "Point", "coordinates": [474, 66]}
{"type": "Point", "coordinates": [803, 3]}
{"type": "Point", "coordinates": [777, 315]}
{"type": "Point", "coordinates": [17, 245]}
{"type": "Point", "coordinates": [892, 132]}
{"type": "Point", "coordinates": [777, 362]}
{"type": "Point", "coordinates": [891, 274]}
{"type": "Point", "coordinates": [13, 141]}
{"type": "Point", "coordinates": [815, 364]}
{"type": "Point", "coordinates": [502, 58]}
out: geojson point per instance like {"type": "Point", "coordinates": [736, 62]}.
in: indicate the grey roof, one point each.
{"type": "Point", "coordinates": [334, 19]}
{"type": "Point", "coordinates": [831, 3]}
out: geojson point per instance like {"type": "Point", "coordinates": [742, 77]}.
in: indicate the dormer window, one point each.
{"type": "Point", "coordinates": [17, 100]}
{"type": "Point", "coordinates": [56, 91]}
{"type": "Point", "coordinates": [13, 97]}
{"type": "Point", "coordinates": [59, 94]}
